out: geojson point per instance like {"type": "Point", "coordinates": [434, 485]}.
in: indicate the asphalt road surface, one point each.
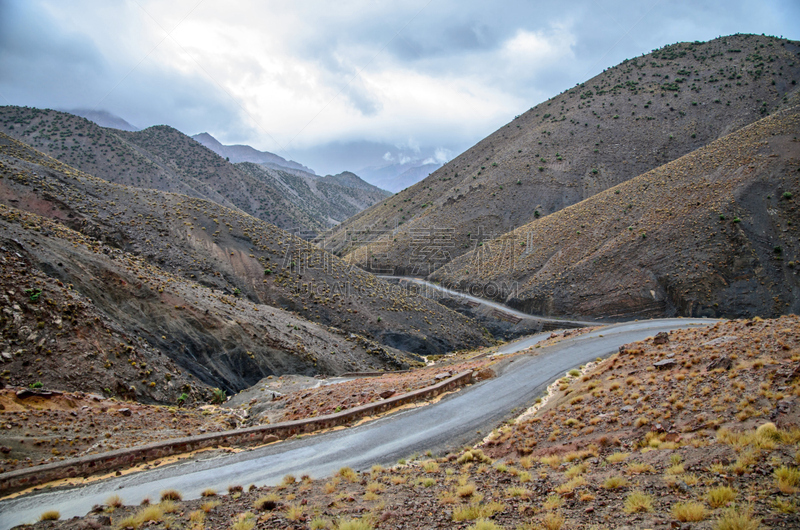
{"type": "Point", "coordinates": [460, 418]}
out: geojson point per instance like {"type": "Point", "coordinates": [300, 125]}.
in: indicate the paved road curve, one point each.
{"type": "Point", "coordinates": [456, 420]}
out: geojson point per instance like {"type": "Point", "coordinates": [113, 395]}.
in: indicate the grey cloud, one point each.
{"type": "Point", "coordinates": [364, 101]}
{"type": "Point", "coordinates": [470, 36]}
{"type": "Point", "coordinates": [44, 65]}
{"type": "Point", "coordinates": [43, 62]}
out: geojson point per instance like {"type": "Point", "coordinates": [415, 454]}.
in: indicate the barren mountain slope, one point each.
{"type": "Point", "coordinates": [257, 197]}
{"type": "Point", "coordinates": [226, 250]}
{"type": "Point", "coordinates": [714, 233]}
{"type": "Point", "coordinates": [165, 159]}
{"type": "Point", "coordinates": [53, 334]}
{"type": "Point", "coordinates": [164, 321]}
{"type": "Point", "coordinates": [625, 121]}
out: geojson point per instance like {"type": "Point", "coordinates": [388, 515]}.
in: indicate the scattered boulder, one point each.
{"type": "Point", "coordinates": [665, 364]}
{"type": "Point", "coordinates": [682, 487]}
{"type": "Point", "coordinates": [722, 362]}
{"type": "Point", "coordinates": [720, 340]}
{"type": "Point", "coordinates": [125, 411]}
{"type": "Point", "coordinates": [486, 373]}
{"type": "Point", "coordinates": [662, 337]}
{"type": "Point", "coordinates": [386, 394]}
{"type": "Point", "coordinates": [92, 523]}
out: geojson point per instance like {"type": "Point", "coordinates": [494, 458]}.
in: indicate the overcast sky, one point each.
{"type": "Point", "coordinates": [335, 84]}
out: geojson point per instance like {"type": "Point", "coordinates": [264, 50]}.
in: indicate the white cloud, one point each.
{"type": "Point", "coordinates": [538, 49]}
{"type": "Point", "coordinates": [442, 155]}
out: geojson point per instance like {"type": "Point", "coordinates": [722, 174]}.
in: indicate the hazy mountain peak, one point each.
{"type": "Point", "coordinates": [245, 153]}
{"type": "Point", "coordinates": [103, 118]}
{"type": "Point", "coordinates": [205, 138]}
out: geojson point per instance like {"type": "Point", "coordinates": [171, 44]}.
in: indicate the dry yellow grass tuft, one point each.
{"type": "Point", "coordinates": [638, 501]}
{"type": "Point", "coordinates": [50, 515]}
{"type": "Point", "coordinates": [689, 511]}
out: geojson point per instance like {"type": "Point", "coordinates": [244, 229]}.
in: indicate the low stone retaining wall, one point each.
{"type": "Point", "coordinates": [124, 458]}
{"type": "Point", "coordinates": [373, 374]}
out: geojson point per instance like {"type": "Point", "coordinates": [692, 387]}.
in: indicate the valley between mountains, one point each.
{"type": "Point", "coordinates": [631, 253]}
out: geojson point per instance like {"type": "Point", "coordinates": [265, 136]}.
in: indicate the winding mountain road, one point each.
{"type": "Point", "coordinates": [429, 286]}
{"type": "Point", "coordinates": [458, 419]}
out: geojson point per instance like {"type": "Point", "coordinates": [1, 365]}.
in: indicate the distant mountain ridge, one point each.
{"type": "Point", "coordinates": [163, 158]}
{"type": "Point", "coordinates": [330, 200]}
{"type": "Point", "coordinates": [103, 118]}
{"type": "Point", "coordinates": [245, 153]}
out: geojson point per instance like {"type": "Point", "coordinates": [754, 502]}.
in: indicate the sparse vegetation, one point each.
{"type": "Point", "coordinates": [638, 501]}
{"type": "Point", "coordinates": [170, 495]}
{"type": "Point", "coordinates": [720, 496]}
{"type": "Point", "coordinates": [737, 518]}
{"type": "Point", "coordinates": [689, 511]}
{"type": "Point", "coordinates": [50, 515]}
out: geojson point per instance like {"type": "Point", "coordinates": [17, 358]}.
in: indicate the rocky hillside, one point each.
{"type": "Point", "coordinates": [54, 336]}
{"type": "Point", "coordinates": [165, 159]}
{"type": "Point", "coordinates": [714, 233]}
{"type": "Point", "coordinates": [329, 200]}
{"type": "Point", "coordinates": [228, 297]}
{"type": "Point", "coordinates": [633, 117]}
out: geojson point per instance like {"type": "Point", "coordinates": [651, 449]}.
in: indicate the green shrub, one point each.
{"type": "Point", "coordinates": [218, 396]}
{"type": "Point", "coordinates": [33, 294]}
